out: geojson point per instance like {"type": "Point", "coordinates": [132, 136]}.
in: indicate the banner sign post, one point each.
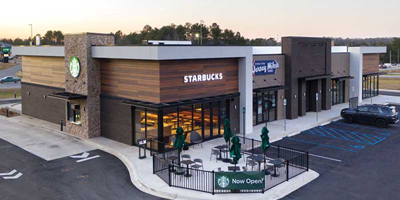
{"type": "Point", "coordinates": [240, 180]}
{"type": "Point", "coordinates": [265, 67]}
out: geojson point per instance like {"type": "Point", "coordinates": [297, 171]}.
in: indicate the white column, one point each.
{"type": "Point", "coordinates": [246, 92]}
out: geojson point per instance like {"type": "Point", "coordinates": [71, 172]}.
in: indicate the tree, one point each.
{"type": "Point", "coordinates": [216, 33]}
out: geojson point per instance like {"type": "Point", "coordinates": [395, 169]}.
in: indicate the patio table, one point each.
{"type": "Point", "coordinates": [187, 163]}
{"type": "Point", "coordinates": [220, 147]}
{"type": "Point", "coordinates": [275, 162]}
{"type": "Point", "coordinates": [172, 158]}
{"type": "Point", "coordinates": [258, 159]}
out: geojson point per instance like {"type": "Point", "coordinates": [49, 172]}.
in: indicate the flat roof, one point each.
{"type": "Point", "coordinates": [51, 51]}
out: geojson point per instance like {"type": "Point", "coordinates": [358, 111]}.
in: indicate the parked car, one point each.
{"type": "Point", "coordinates": [380, 115]}
{"type": "Point", "coordinates": [10, 79]}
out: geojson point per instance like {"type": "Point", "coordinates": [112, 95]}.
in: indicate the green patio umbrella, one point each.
{"type": "Point", "coordinates": [227, 135]}
{"type": "Point", "coordinates": [179, 141]}
{"type": "Point", "coordinates": [265, 141]}
{"type": "Point", "coordinates": [227, 130]}
{"type": "Point", "coordinates": [235, 150]}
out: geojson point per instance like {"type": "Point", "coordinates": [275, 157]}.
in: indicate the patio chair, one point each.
{"type": "Point", "coordinates": [186, 157]}
{"type": "Point", "coordinates": [244, 169]}
{"type": "Point", "coordinates": [198, 164]}
{"type": "Point", "coordinates": [214, 152]}
{"type": "Point", "coordinates": [195, 138]}
{"type": "Point", "coordinates": [282, 165]}
{"type": "Point", "coordinates": [252, 163]}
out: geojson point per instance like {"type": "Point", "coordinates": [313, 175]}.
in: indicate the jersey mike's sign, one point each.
{"type": "Point", "coordinates": [202, 77]}
{"type": "Point", "coordinates": [264, 67]}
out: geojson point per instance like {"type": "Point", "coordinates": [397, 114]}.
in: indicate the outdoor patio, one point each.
{"type": "Point", "coordinates": [202, 179]}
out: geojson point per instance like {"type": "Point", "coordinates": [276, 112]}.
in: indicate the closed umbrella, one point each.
{"type": "Point", "coordinates": [227, 135]}
{"type": "Point", "coordinates": [235, 150]}
{"type": "Point", "coordinates": [265, 141]}
{"type": "Point", "coordinates": [179, 142]}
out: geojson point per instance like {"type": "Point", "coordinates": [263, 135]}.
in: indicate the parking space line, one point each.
{"type": "Point", "coordinates": [324, 145]}
{"type": "Point", "coordinates": [318, 156]}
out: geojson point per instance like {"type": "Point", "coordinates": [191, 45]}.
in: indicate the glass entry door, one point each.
{"type": "Point", "coordinates": [264, 107]}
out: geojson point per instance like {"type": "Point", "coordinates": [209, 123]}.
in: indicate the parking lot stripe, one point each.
{"type": "Point", "coordinates": [324, 145]}
{"type": "Point", "coordinates": [318, 156]}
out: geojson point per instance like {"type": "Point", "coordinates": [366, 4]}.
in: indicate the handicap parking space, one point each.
{"type": "Point", "coordinates": [333, 138]}
{"type": "Point", "coordinates": [353, 160]}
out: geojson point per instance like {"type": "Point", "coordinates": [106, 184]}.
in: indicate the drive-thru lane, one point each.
{"type": "Point", "coordinates": [355, 161]}
{"type": "Point", "coordinates": [101, 177]}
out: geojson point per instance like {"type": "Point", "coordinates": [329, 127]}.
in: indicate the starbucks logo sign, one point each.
{"type": "Point", "coordinates": [74, 67]}
{"type": "Point", "coordinates": [223, 181]}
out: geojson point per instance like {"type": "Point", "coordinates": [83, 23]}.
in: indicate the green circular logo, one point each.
{"type": "Point", "coordinates": [223, 181]}
{"type": "Point", "coordinates": [74, 67]}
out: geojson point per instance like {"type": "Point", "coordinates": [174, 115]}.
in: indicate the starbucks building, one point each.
{"type": "Point", "coordinates": [129, 93]}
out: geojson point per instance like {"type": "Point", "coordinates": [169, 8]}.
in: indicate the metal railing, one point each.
{"type": "Point", "coordinates": [296, 162]}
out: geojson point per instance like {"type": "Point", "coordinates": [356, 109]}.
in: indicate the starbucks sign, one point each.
{"type": "Point", "coordinates": [240, 180]}
{"type": "Point", "coordinates": [74, 67]}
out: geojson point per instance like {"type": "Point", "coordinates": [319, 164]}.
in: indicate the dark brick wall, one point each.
{"type": "Point", "coordinates": [115, 120]}
{"type": "Point", "coordinates": [305, 57]}
{"type": "Point", "coordinates": [34, 104]}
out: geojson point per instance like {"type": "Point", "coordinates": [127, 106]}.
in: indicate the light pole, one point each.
{"type": "Point", "coordinates": [201, 32]}
{"type": "Point", "coordinates": [30, 43]}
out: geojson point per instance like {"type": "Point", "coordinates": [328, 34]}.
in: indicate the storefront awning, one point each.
{"type": "Point", "coordinates": [273, 88]}
{"type": "Point", "coordinates": [342, 78]}
{"type": "Point", "coordinates": [66, 96]}
{"type": "Point", "coordinates": [144, 104]}
{"type": "Point", "coordinates": [310, 78]}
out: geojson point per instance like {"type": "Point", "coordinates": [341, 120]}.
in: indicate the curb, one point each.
{"type": "Point", "coordinates": [133, 173]}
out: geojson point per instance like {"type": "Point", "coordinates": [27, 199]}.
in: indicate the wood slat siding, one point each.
{"type": "Point", "coordinates": [370, 63]}
{"type": "Point", "coordinates": [133, 79]}
{"type": "Point", "coordinates": [49, 71]}
{"type": "Point", "coordinates": [174, 89]}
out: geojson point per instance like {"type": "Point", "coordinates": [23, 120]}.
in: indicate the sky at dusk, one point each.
{"type": "Point", "coordinates": [252, 18]}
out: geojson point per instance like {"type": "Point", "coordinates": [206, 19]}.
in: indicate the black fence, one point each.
{"type": "Point", "coordinates": [296, 162]}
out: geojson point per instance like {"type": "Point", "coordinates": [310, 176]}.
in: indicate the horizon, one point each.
{"type": "Point", "coordinates": [343, 19]}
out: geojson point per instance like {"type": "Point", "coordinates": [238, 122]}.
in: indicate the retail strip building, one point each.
{"type": "Point", "coordinates": [128, 93]}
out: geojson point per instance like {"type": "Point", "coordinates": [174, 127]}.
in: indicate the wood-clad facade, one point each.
{"type": "Point", "coordinates": [163, 81]}
{"type": "Point", "coordinates": [131, 79]}
{"type": "Point", "coordinates": [173, 88]}
{"type": "Point", "coordinates": [47, 71]}
{"type": "Point", "coordinates": [370, 63]}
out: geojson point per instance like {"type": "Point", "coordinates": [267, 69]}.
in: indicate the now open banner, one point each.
{"type": "Point", "coordinates": [239, 180]}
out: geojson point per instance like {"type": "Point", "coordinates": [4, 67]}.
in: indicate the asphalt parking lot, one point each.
{"type": "Point", "coordinates": [355, 161]}
{"type": "Point", "coordinates": [98, 176]}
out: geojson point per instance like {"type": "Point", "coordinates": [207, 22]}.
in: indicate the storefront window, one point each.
{"type": "Point", "coordinates": [223, 115]}
{"type": "Point", "coordinates": [197, 117]}
{"type": "Point", "coordinates": [152, 124]}
{"type": "Point", "coordinates": [139, 124]}
{"type": "Point", "coordinates": [215, 114]}
{"type": "Point", "coordinates": [170, 121]}
{"type": "Point", "coordinates": [370, 86]}
{"type": "Point", "coordinates": [185, 114]}
{"type": "Point", "coordinates": [207, 120]}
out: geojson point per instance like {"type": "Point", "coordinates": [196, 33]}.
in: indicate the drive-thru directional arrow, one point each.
{"type": "Point", "coordinates": [84, 157]}
{"type": "Point", "coordinates": [9, 175]}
